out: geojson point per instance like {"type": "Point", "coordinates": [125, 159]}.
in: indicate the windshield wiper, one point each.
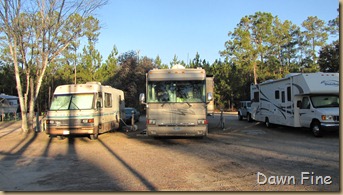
{"type": "Point", "coordinates": [164, 102]}
{"type": "Point", "coordinates": [189, 104]}
{"type": "Point", "coordinates": [75, 105]}
{"type": "Point", "coordinates": [62, 106]}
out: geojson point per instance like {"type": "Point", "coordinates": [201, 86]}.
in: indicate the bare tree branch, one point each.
{"type": "Point", "coordinates": [36, 32]}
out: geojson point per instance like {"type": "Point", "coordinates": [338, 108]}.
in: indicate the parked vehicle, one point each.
{"type": "Point", "coordinates": [88, 109]}
{"type": "Point", "coordinates": [244, 110]}
{"type": "Point", "coordinates": [210, 89]}
{"type": "Point", "coordinates": [177, 101]}
{"type": "Point", "coordinates": [8, 104]}
{"type": "Point", "coordinates": [308, 100]}
{"type": "Point", "coordinates": [128, 115]}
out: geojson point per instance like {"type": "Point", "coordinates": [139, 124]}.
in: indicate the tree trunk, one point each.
{"type": "Point", "coordinates": [31, 105]}
{"type": "Point", "coordinates": [22, 100]}
{"type": "Point", "coordinates": [255, 73]}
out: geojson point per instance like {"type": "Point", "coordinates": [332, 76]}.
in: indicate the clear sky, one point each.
{"type": "Point", "coordinates": [184, 27]}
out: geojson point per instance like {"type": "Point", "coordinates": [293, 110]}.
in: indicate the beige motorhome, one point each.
{"type": "Point", "coordinates": [87, 109]}
{"type": "Point", "coordinates": [177, 101]}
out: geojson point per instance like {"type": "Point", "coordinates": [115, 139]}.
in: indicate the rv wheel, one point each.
{"type": "Point", "coordinates": [315, 127]}
{"type": "Point", "coordinates": [249, 117]}
{"type": "Point", "coordinates": [94, 136]}
{"type": "Point", "coordinates": [240, 117]}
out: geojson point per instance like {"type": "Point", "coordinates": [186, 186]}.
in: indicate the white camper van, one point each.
{"type": "Point", "coordinates": [88, 109]}
{"type": "Point", "coordinates": [8, 105]}
{"type": "Point", "coordinates": [177, 101]}
{"type": "Point", "coordinates": [308, 100]}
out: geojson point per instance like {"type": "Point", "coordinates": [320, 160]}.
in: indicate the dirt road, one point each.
{"type": "Point", "coordinates": [242, 157]}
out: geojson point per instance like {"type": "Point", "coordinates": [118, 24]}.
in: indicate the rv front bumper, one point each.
{"type": "Point", "coordinates": [155, 130]}
{"type": "Point", "coordinates": [330, 126]}
{"type": "Point", "coordinates": [69, 131]}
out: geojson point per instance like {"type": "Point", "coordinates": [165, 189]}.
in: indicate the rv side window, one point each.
{"type": "Point", "coordinates": [256, 97]}
{"type": "Point", "coordinates": [277, 94]}
{"type": "Point", "coordinates": [289, 98]}
{"type": "Point", "coordinates": [283, 96]}
{"type": "Point", "coordinates": [100, 99]}
{"type": "Point", "coordinates": [305, 103]}
{"type": "Point", "coordinates": [108, 100]}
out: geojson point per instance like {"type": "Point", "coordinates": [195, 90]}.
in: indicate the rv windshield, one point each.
{"type": "Point", "coordinates": [176, 91]}
{"type": "Point", "coordinates": [72, 102]}
{"type": "Point", "coordinates": [323, 101]}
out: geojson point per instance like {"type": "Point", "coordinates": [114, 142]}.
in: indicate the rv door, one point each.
{"type": "Point", "coordinates": [305, 112]}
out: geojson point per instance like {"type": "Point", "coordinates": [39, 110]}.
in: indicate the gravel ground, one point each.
{"type": "Point", "coordinates": [242, 157]}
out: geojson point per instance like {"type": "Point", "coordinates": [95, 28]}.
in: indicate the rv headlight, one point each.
{"type": "Point", "coordinates": [87, 120]}
{"type": "Point", "coordinates": [327, 117]}
{"type": "Point", "coordinates": [50, 122]}
{"type": "Point", "coordinates": [202, 122]}
{"type": "Point", "coordinates": [151, 122]}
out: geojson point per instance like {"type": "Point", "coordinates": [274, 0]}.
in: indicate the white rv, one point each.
{"type": "Point", "coordinates": [88, 109]}
{"type": "Point", "coordinates": [177, 101]}
{"type": "Point", "coordinates": [308, 100]}
{"type": "Point", "coordinates": [8, 105]}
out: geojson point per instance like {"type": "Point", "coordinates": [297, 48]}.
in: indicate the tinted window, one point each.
{"type": "Point", "coordinates": [277, 94]}
{"type": "Point", "coordinates": [108, 100]}
{"type": "Point", "coordinates": [289, 98]}
{"type": "Point", "coordinates": [256, 96]}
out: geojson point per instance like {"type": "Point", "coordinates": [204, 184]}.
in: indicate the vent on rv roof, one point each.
{"type": "Point", "coordinates": [268, 81]}
{"type": "Point", "coordinates": [94, 82]}
{"type": "Point", "coordinates": [291, 74]}
{"type": "Point", "coordinates": [178, 66]}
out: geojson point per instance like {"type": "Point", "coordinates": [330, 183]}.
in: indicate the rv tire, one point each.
{"type": "Point", "coordinates": [315, 128]}
{"type": "Point", "coordinates": [94, 136]}
{"type": "Point", "coordinates": [249, 117]}
{"type": "Point", "coordinates": [240, 117]}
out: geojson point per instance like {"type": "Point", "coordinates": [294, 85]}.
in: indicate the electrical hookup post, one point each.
{"type": "Point", "coordinates": [133, 126]}
{"type": "Point", "coordinates": [222, 119]}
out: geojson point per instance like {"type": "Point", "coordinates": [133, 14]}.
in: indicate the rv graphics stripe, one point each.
{"type": "Point", "coordinates": [301, 91]}
{"type": "Point", "coordinates": [82, 116]}
{"type": "Point", "coordinates": [281, 110]}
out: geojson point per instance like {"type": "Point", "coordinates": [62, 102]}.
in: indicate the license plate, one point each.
{"type": "Point", "coordinates": [66, 132]}
{"type": "Point", "coordinates": [177, 128]}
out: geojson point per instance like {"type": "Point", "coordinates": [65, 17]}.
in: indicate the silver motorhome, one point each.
{"type": "Point", "coordinates": [176, 101]}
{"type": "Point", "coordinates": [8, 103]}
{"type": "Point", "coordinates": [88, 109]}
{"type": "Point", "coordinates": [308, 100]}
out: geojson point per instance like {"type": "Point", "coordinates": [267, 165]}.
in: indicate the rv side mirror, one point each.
{"type": "Point", "coordinates": [141, 98]}
{"type": "Point", "coordinates": [209, 96]}
{"type": "Point", "coordinates": [299, 103]}
{"type": "Point", "coordinates": [98, 105]}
